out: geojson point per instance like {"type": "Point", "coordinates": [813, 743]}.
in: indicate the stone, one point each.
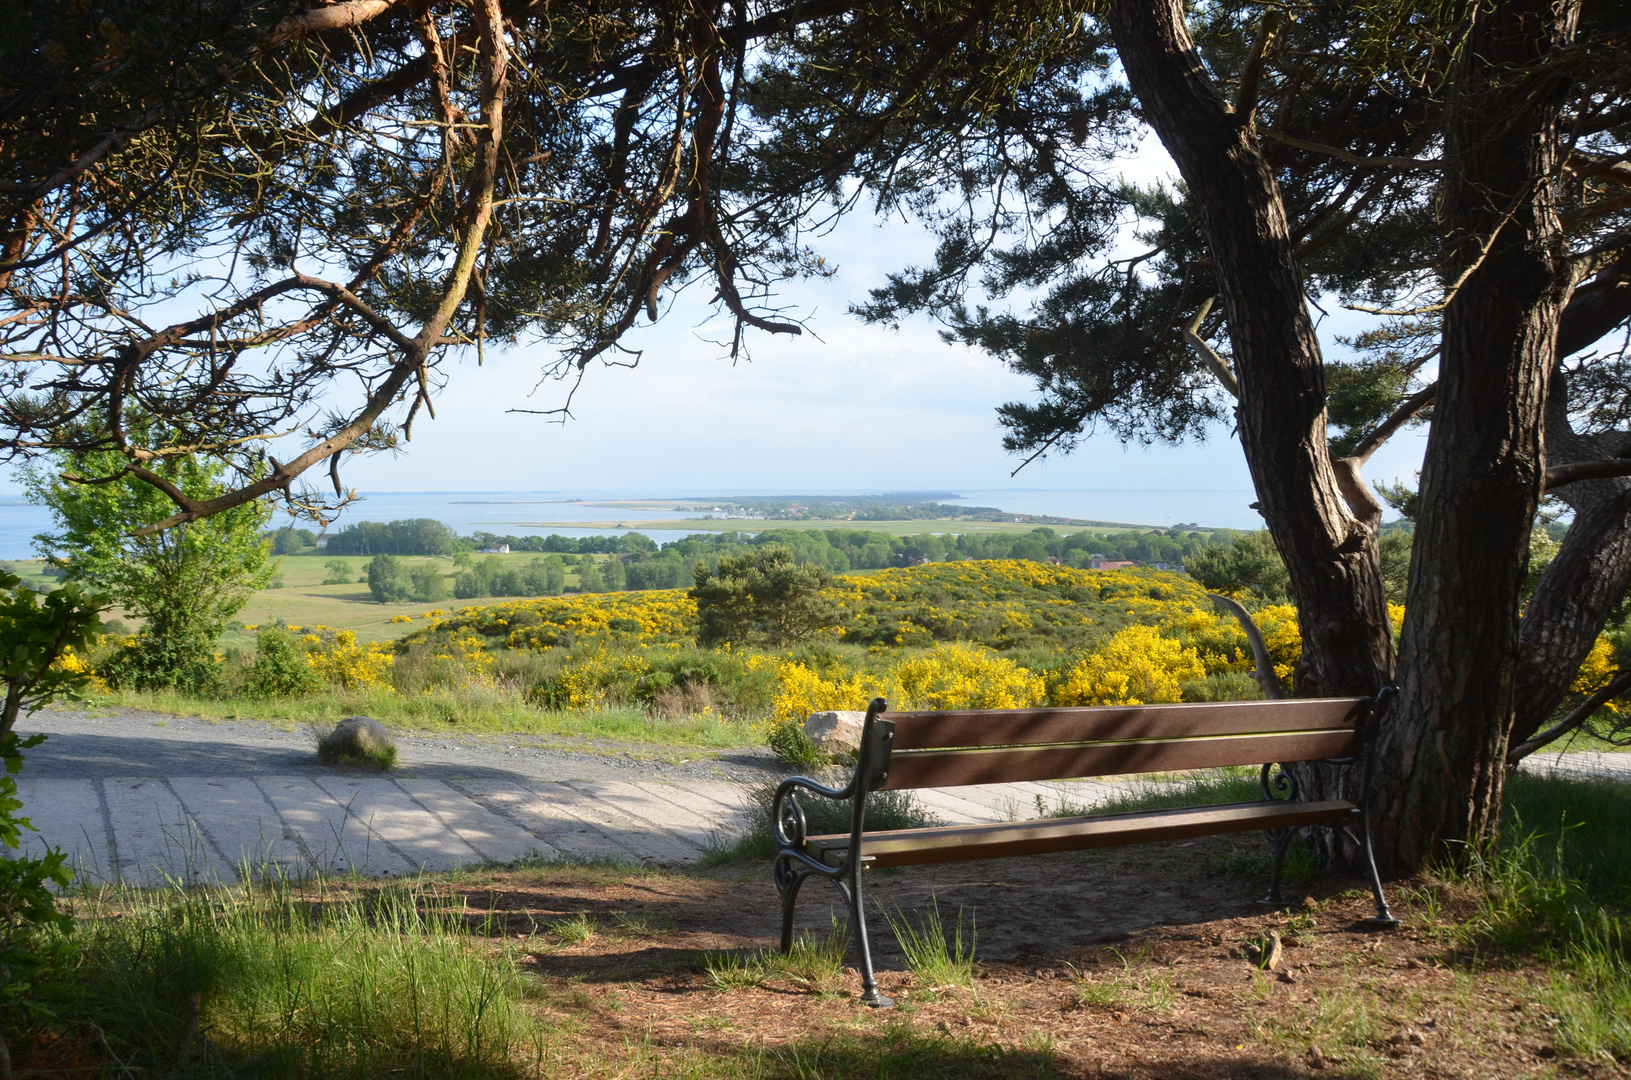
{"type": "Point", "coordinates": [836, 733]}
{"type": "Point", "coordinates": [358, 738]}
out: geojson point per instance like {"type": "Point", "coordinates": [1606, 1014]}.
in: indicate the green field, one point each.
{"type": "Point", "coordinates": [300, 598]}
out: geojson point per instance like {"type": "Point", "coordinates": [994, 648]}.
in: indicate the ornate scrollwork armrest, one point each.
{"type": "Point", "coordinates": [1278, 782]}
{"type": "Point", "coordinates": [787, 816]}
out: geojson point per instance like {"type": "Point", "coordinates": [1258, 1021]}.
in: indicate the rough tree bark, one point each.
{"type": "Point", "coordinates": [1578, 591]}
{"type": "Point", "coordinates": [1326, 533]}
{"type": "Point", "coordinates": [1592, 569]}
{"type": "Point", "coordinates": [1444, 753]}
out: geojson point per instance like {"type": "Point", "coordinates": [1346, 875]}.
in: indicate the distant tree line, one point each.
{"type": "Point", "coordinates": [414, 536]}
{"type": "Point", "coordinates": [634, 562]}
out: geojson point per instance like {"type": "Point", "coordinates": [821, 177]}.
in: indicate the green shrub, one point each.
{"type": "Point", "coordinates": [280, 667]}
{"type": "Point", "coordinates": [147, 662]}
{"type": "Point", "coordinates": [885, 810]}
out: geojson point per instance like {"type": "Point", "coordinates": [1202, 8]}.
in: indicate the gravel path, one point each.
{"type": "Point", "coordinates": [132, 743]}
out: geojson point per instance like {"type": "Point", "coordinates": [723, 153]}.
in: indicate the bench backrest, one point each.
{"type": "Point", "coordinates": [948, 749]}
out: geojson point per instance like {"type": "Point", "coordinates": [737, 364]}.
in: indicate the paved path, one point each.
{"type": "Point", "coordinates": [147, 800]}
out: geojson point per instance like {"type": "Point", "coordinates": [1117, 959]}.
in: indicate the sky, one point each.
{"type": "Point", "coordinates": [847, 407]}
{"type": "Point", "coordinates": [844, 408]}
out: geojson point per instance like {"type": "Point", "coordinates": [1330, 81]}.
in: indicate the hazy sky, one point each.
{"type": "Point", "coordinates": [860, 408]}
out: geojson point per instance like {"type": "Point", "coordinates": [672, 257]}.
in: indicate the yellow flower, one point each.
{"type": "Point", "coordinates": [1597, 668]}
{"type": "Point", "coordinates": [346, 664]}
{"type": "Point", "coordinates": [1136, 667]}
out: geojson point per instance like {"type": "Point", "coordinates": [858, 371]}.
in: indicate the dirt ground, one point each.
{"type": "Point", "coordinates": [1127, 963]}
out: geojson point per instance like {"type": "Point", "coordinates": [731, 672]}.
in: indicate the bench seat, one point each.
{"type": "Point", "coordinates": [961, 843]}
{"type": "Point", "coordinates": [905, 751]}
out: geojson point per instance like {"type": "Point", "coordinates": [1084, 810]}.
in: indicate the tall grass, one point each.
{"type": "Point", "coordinates": [287, 983]}
{"type": "Point", "coordinates": [1554, 885]}
{"type": "Point", "coordinates": [1595, 813]}
{"type": "Point", "coordinates": [939, 960]}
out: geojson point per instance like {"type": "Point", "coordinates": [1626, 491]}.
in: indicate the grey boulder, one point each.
{"type": "Point", "coordinates": [357, 737]}
{"type": "Point", "coordinates": [836, 733]}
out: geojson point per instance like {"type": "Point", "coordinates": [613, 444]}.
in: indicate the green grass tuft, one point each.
{"type": "Point", "coordinates": [814, 963]}
{"type": "Point", "coordinates": [936, 961]}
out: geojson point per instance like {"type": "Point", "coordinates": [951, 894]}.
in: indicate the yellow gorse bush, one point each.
{"type": "Point", "coordinates": [1595, 670]}
{"type": "Point", "coordinates": [1136, 667]}
{"type": "Point", "coordinates": [341, 661]}
{"type": "Point", "coordinates": [75, 663]}
{"type": "Point", "coordinates": [964, 677]}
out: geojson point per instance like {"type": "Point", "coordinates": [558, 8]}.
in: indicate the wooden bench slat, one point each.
{"type": "Point", "coordinates": [1004, 727]}
{"type": "Point", "coordinates": [959, 843]}
{"type": "Point", "coordinates": [954, 768]}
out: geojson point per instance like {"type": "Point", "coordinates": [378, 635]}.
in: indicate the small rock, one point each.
{"type": "Point", "coordinates": [359, 739]}
{"type": "Point", "coordinates": [836, 733]}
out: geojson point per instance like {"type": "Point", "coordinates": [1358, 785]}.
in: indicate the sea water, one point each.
{"type": "Point", "coordinates": [517, 513]}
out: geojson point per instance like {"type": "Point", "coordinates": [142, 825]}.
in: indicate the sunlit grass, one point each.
{"type": "Point", "coordinates": [287, 982]}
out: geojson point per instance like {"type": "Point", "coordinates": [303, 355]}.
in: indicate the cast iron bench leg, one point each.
{"type": "Point", "coordinates": [1280, 839]}
{"type": "Point", "coordinates": [789, 878]}
{"type": "Point", "coordinates": [857, 908]}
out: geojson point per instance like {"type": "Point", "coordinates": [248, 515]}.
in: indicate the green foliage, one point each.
{"type": "Point", "coordinates": [28, 914]}
{"type": "Point", "coordinates": [763, 598]}
{"type": "Point", "coordinates": [280, 668]}
{"type": "Point", "coordinates": [292, 541]}
{"type": "Point", "coordinates": [185, 582]}
{"type": "Point", "coordinates": [428, 584]}
{"type": "Point", "coordinates": [1249, 563]}
{"type": "Point", "coordinates": [417, 536]}
{"type": "Point", "coordinates": [1395, 552]}
{"type": "Point", "coordinates": [793, 748]}
{"type": "Point", "coordinates": [36, 632]}
{"type": "Point", "coordinates": [496, 576]}
{"type": "Point", "coordinates": [339, 572]}
{"type": "Point", "coordinates": [1404, 499]}
{"type": "Point", "coordinates": [37, 635]}
{"type": "Point", "coordinates": [389, 581]}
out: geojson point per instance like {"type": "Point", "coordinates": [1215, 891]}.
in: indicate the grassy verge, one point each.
{"type": "Point", "coordinates": [1555, 887]}
{"type": "Point", "coordinates": [477, 710]}
{"type": "Point", "coordinates": [292, 983]}
{"type": "Point", "coordinates": [341, 979]}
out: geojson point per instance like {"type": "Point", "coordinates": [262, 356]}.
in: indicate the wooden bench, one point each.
{"type": "Point", "coordinates": [906, 750]}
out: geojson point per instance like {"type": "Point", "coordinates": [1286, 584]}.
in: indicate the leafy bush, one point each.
{"type": "Point", "coordinates": [427, 583]}
{"type": "Point", "coordinates": [280, 667]}
{"type": "Point", "coordinates": [185, 582]}
{"type": "Point", "coordinates": [761, 598]}
{"type": "Point", "coordinates": [1136, 667]}
{"type": "Point", "coordinates": [388, 580]}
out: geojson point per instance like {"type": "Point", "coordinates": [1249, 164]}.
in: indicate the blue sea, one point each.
{"type": "Point", "coordinates": [508, 512]}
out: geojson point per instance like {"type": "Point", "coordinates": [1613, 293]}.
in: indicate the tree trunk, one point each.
{"type": "Point", "coordinates": [1329, 544]}
{"type": "Point", "coordinates": [1578, 591]}
{"type": "Point", "coordinates": [1443, 757]}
